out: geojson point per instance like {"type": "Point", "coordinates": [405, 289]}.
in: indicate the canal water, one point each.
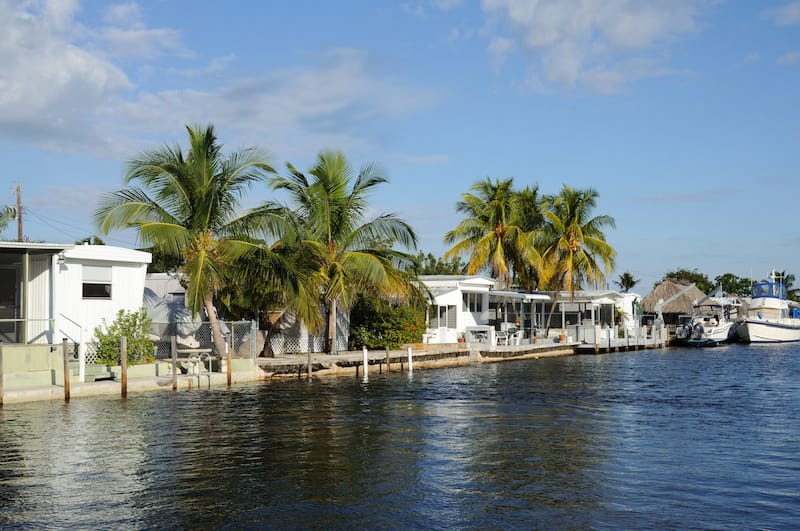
{"type": "Point", "coordinates": [676, 438]}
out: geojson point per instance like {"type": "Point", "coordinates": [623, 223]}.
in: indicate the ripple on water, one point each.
{"type": "Point", "coordinates": [659, 439]}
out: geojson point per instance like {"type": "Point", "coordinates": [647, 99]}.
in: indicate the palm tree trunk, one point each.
{"type": "Point", "coordinates": [552, 311]}
{"type": "Point", "coordinates": [331, 331]}
{"type": "Point", "coordinates": [216, 333]}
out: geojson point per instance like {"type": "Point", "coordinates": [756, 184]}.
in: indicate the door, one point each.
{"type": "Point", "coordinates": [9, 303]}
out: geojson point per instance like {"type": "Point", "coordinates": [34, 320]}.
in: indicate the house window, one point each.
{"type": "Point", "coordinates": [96, 282]}
{"type": "Point", "coordinates": [473, 302]}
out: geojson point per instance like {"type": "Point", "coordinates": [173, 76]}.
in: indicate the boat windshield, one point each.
{"type": "Point", "coordinates": [769, 289]}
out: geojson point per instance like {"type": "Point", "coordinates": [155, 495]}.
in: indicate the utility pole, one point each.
{"type": "Point", "coordinates": [19, 213]}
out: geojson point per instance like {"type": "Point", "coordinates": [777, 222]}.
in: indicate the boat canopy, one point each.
{"type": "Point", "coordinates": [769, 289]}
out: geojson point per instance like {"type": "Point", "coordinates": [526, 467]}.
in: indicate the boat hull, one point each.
{"type": "Point", "coordinates": [763, 331]}
{"type": "Point", "coordinates": [708, 335]}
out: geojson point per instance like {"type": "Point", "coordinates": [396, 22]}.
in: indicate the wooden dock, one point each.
{"type": "Point", "coordinates": [594, 339]}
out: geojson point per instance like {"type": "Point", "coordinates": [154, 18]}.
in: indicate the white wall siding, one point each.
{"type": "Point", "coordinates": [128, 269]}
{"type": "Point", "coordinates": [39, 300]}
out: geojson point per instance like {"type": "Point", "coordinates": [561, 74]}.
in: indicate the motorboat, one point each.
{"type": "Point", "coordinates": [771, 317]}
{"type": "Point", "coordinates": [712, 321]}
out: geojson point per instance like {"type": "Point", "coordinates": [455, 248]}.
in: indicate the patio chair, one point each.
{"type": "Point", "coordinates": [502, 337]}
{"type": "Point", "coordinates": [516, 338]}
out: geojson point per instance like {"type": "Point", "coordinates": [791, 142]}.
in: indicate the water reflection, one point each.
{"type": "Point", "coordinates": [673, 438]}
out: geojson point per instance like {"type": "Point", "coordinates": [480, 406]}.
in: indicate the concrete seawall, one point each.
{"type": "Point", "coordinates": [296, 366]}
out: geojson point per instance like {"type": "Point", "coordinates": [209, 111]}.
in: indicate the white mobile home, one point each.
{"type": "Point", "coordinates": [470, 307]}
{"type": "Point", "coordinates": [49, 292]}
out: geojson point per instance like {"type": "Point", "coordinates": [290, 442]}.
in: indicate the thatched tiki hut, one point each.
{"type": "Point", "coordinates": [677, 296]}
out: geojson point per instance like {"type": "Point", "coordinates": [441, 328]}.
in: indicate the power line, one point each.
{"type": "Point", "coordinates": [51, 222]}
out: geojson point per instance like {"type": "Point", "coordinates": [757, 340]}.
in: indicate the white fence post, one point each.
{"type": "Point", "coordinates": [82, 359]}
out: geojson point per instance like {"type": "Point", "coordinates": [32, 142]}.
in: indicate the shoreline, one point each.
{"type": "Point", "coordinates": [296, 366]}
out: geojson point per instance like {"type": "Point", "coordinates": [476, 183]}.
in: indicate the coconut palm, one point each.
{"type": "Point", "coordinates": [489, 233]}
{"type": "Point", "coordinates": [529, 216]}
{"type": "Point", "coordinates": [348, 254]}
{"type": "Point", "coordinates": [787, 279]}
{"type": "Point", "coordinates": [186, 205]}
{"type": "Point", "coordinates": [575, 246]}
{"type": "Point", "coordinates": [626, 281]}
{"type": "Point", "coordinates": [7, 214]}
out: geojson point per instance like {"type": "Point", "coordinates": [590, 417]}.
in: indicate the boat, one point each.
{"type": "Point", "coordinates": [712, 321]}
{"type": "Point", "coordinates": [771, 317]}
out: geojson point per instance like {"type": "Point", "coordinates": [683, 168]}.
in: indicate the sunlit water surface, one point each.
{"type": "Point", "coordinates": [677, 438]}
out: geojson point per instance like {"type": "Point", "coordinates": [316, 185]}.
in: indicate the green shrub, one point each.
{"type": "Point", "coordinates": [133, 325]}
{"type": "Point", "coordinates": [375, 324]}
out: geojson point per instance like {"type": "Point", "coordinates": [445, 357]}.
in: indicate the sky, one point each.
{"type": "Point", "coordinates": [683, 115]}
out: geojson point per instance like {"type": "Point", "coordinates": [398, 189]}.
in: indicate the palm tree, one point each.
{"type": "Point", "coordinates": [90, 240]}
{"type": "Point", "coordinates": [529, 216]}
{"type": "Point", "coordinates": [7, 214]}
{"type": "Point", "coordinates": [346, 254]}
{"type": "Point", "coordinates": [489, 232]}
{"type": "Point", "coordinates": [185, 205]}
{"type": "Point", "coordinates": [575, 247]}
{"type": "Point", "coordinates": [787, 279]}
{"type": "Point", "coordinates": [626, 281]}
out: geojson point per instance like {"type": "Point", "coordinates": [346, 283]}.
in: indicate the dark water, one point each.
{"type": "Point", "coordinates": [650, 439]}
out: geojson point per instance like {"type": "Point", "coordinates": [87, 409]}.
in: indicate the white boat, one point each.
{"type": "Point", "coordinates": [711, 322]}
{"type": "Point", "coordinates": [770, 318]}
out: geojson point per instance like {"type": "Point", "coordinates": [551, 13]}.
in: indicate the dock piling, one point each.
{"type": "Point", "coordinates": [1, 374]}
{"type": "Point", "coordinates": [228, 348]}
{"type": "Point", "coordinates": [174, 352]}
{"type": "Point", "coordinates": [123, 352]}
{"type": "Point", "coordinates": [65, 352]}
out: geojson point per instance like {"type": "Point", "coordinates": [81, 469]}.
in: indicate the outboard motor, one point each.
{"type": "Point", "coordinates": [698, 330]}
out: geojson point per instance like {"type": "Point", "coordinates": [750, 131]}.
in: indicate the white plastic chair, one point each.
{"type": "Point", "coordinates": [516, 339]}
{"type": "Point", "coordinates": [502, 337]}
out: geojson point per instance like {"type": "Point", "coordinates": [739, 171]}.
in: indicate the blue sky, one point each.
{"type": "Point", "coordinates": [682, 114]}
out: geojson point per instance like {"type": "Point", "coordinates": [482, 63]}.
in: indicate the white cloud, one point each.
{"type": "Point", "coordinates": [751, 57]}
{"type": "Point", "coordinates": [416, 10]}
{"type": "Point", "coordinates": [283, 109]}
{"type": "Point", "coordinates": [789, 58]}
{"type": "Point", "coordinates": [585, 43]}
{"type": "Point", "coordinates": [140, 41]}
{"type": "Point", "coordinates": [47, 83]}
{"type": "Point", "coordinates": [455, 34]}
{"type": "Point", "coordinates": [219, 64]}
{"type": "Point", "coordinates": [785, 15]}
{"type": "Point", "coordinates": [60, 91]}
{"type": "Point", "coordinates": [499, 49]}
{"type": "Point", "coordinates": [123, 14]}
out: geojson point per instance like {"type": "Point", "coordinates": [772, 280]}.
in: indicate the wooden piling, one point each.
{"type": "Point", "coordinates": [228, 349]}
{"type": "Point", "coordinates": [65, 351]}
{"type": "Point", "coordinates": [174, 352]}
{"type": "Point", "coordinates": [123, 353]}
{"type": "Point", "coordinates": [1, 374]}
{"type": "Point", "coordinates": [388, 361]}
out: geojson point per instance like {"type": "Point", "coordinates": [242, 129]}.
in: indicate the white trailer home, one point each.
{"type": "Point", "coordinates": [49, 292]}
{"type": "Point", "coordinates": [470, 307]}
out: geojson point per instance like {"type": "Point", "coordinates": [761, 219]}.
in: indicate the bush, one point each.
{"type": "Point", "coordinates": [378, 325]}
{"type": "Point", "coordinates": [133, 325]}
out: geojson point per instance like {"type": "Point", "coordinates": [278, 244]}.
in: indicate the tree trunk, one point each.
{"type": "Point", "coordinates": [552, 311]}
{"type": "Point", "coordinates": [331, 335]}
{"type": "Point", "coordinates": [216, 333]}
